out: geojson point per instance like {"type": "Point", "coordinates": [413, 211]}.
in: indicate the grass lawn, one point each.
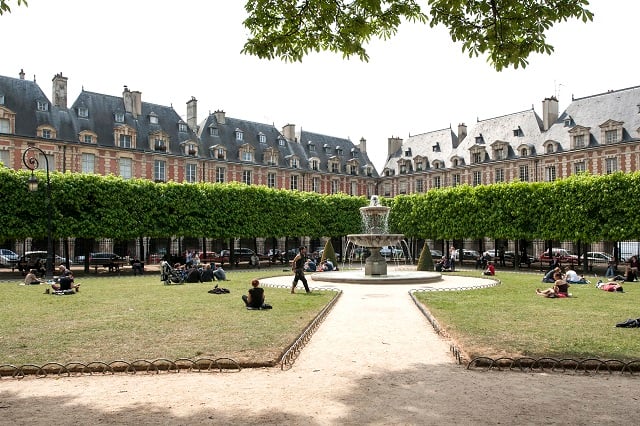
{"type": "Point", "coordinates": [511, 320]}
{"type": "Point", "coordinates": [129, 318]}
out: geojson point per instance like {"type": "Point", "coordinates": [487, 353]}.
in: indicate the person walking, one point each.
{"type": "Point", "coordinates": [297, 267]}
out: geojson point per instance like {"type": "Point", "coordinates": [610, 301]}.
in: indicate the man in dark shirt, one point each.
{"type": "Point", "coordinates": [255, 297]}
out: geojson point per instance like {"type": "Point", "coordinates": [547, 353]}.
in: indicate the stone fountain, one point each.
{"type": "Point", "coordinates": [375, 223]}
{"type": "Point", "coordinates": [376, 236]}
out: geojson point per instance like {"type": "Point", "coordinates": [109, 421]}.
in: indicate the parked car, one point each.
{"type": "Point", "coordinates": [599, 257]}
{"type": "Point", "coordinates": [36, 259]}
{"type": "Point", "coordinates": [563, 254]}
{"type": "Point", "coordinates": [106, 259]}
{"type": "Point", "coordinates": [8, 259]}
{"type": "Point", "coordinates": [470, 254]}
{"type": "Point", "coordinates": [436, 254]}
{"type": "Point", "coordinates": [393, 252]}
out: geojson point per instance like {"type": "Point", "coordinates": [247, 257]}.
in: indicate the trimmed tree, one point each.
{"type": "Point", "coordinates": [425, 262]}
{"type": "Point", "coordinates": [329, 253]}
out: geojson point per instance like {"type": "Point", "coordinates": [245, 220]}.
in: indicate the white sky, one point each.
{"type": "Point", "coordinates": [417, 82]}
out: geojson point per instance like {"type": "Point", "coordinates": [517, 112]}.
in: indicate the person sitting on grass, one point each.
{"type": "Point", "coordinates": [548, 277]}
{"type": "Point", "coordinates": [31, 278]}
{"type": "Point", "coordinates": [560, 288]}
{"type": "Point", "coordinates": [219, 273]}
{"type": "Point", "coordinates": [572, 277]}
{"type": "Point", "coordinates": [491, 270]}
{"type": "Point", "coordinates": [66, 283]}
{"type": "Point", "coordinates": [255, 297]}
{"type": "Point", "coordinates": [206, 276]}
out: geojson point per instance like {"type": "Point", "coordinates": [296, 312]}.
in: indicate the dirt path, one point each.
{"type": "Point", "coordinates": [374, 360]}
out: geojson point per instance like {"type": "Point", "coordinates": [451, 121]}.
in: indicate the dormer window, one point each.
{"type": "Point", "coordinates": [312, 147]}
{"type": "Point", "coordinates": [46, 133]}
{"type": "Point", "coordinates": [403, 169]}
{"type": "Point", "coordinates": [294, 162]}
{"type": "Point", "coordinates": [83, 112]}
{"type": "Point", "coordinates": [213, 131]}
{"type": "Point", "coordinates": [262, 138]}
{"type": "Point", "coordinates": [407, 152]}
{"type": "Point", "coordinates": [159, 144]}
{"type": "Point", "coordinates": [611, 131]}
{"type": "Point", "coordinates": [354, 153]}
{"type": "Point", "coordinates": [153, 118]}
{"type": "Point", "coordinates": [549, 149]}
{"type": "Point", "coordinates": [239, 135]}
{"type": "Point", "coordinates": [524, 152]}
{"type": "Point", "coordinates": [42, 106]}
{"type": "Point", "coordinates": [476, 157]}
{"type": "Point", "coordinates": [437, 164]}
{"type": "Point", "coordinates": [568, 122]}
{"type": "Point", "coordinates": [281, 141]}
{"type": "Point", "coordinates": [327, 148]}
{"type": "Point", "coordinates": [479, 139]}
{"type": "Point", "coordinates": [367, 171]}
{"type": "Point", "coordinates": [1, 99]}
{"type": "Point", "coordinates": [182, 127]}
{"type": "Point", "coordinates": [518, 132]}
{"type": "Point", "coordinates": [419, 165]}
{"type": "Point", "coordinates": [315, 165]}
{"type": "Point", "coordinates": [338, 150]}
{"type": "Point", "coordinates": [191, 149]}
{"type": "Point", "coordinates": [119, 117]}
{"type": "Point", "coordinates": [220, 153]}
{"type": "Point", "coordinates": [436, 147]}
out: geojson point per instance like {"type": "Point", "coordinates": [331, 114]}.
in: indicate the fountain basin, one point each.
{"type": "Point", "coordinates": [395, 277]}
{"type": "Point", "coordinates": [375, 240]}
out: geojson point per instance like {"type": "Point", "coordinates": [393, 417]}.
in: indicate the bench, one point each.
{"type": "Point", "coordinates": [111, 265]}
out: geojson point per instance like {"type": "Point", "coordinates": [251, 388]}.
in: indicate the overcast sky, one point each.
{"type": "Point", "coordinates": [417, 82]}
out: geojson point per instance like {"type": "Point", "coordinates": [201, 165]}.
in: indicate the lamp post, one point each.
{"type": "Point", "coordinates": [31, 162]}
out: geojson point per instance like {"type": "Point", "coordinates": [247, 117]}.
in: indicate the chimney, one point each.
{"type": "Point", "coordinates": [393, 145]}
{"type": "Point", "coordinates": [549, 112]}
{"type": "Point", "coordinates": [220, 116]}
{"type": "Point", "coordinates": [60, 91]}
{"type": "Point", "coordinates": [462, 132]}
{"type": "Point", "coordinates": [289, 132]}
{"type": "Point", "coordinates": [21, 74]}
{"type": "Point", "coordinates": [192, 113]}
{"type": "Point", "coordinates": [132, 102]}
{"type": "Point", "coordinates": [363, 145]}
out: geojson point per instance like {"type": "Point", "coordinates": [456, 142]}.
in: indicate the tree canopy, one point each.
{"type": "Point", "coordinates": [507, 31]}
{"type": "Point", "coordinates": [5, 8]}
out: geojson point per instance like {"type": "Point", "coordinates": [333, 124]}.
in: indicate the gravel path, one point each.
{"type": "Point", "coordinates": [374, 360]}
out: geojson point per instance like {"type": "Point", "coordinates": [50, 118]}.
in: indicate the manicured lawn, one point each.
{"type": "Point", "coordinates": [129, 318]}
{"type": "Point", "coordinates": [511, 320]}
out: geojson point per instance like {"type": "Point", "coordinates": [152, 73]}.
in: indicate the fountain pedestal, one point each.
{"type": "Point", "coordinates": [375, 264]}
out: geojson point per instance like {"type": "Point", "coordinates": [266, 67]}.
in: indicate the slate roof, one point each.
{"type": "Point", "coordinates": [331, 147]}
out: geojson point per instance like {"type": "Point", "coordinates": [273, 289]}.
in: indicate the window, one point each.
{"type": "Point", "coordinates": [419, 185]}
{"type": "Point", "coordinates": [247, 156]}
{"type": "Point", "coordinates": [610, 165]}
{"type": "Point", "coordinates": [293, 182]}
{"type": "Point", "coordinates": [88, 163]}
{"type": "Point", "coordinates": [524, 152]}
{"type": "Point", "coordinates": [402, 187]}
{"type": "Point", "coordinates": [370, 190]}
{"type": "Point", "coordinates": [125, 141]}
{"type": "Point", "coordinates": [419, 165]}
{"type": "Point", "coordinates": [550, 148]}
{"type": "Point", "coordinates": [335, 168]}
{"type": "Point", "coordinates": [1, 99]}
{"type": "Point", "coordinates": [213, 131]}
{"type": "Point", "coordinates": [407, 152]}
{"type": "Point", "coordinates": [499, 153]}
{"type": "Point", "coordinates": [312, 147]}
{"type": "Point", "coordinates": [42, 106]}
{"type": "Point", "coordinates": [499, 175]}
{"type": "Point", "coordinates": [335, 186]}
{"type": "Point", "coordinates": [611, 136]}
{"type": "Point", "coordinates": [436, 147]}
{"type": "Point", "coordinates": [159, 145]}
{"type": "Point", "coordinates": [119, 117]}
{"type": "Point", "coordinates": [550, 173]}
{"type": "Point", "coordinates": [338, 150]}
{"type": "Point", "coordinates": [5, 125]}
{"type": "Point", "coordinates": [191, 171]}
{"type": "Point", "coordinates": [220, 173]}
{"type": "Point", "coordinates": [524, 173]}
{"type": "Point", "coordinates": [354, 188]}
{"type": "Point", "coordinates": [46, 133]}
{"type": "Point", "coordinates": [87, 139]}
{"type": "Point", "coordinates": [271, 180]}
{"type": "Point", "coordinates": [4, 158]}
{"type": "Point", "coordinates": [191, 149]}
{"type": "Point", "coordinates": [403, 169]}
{"type": "Point", "coordinates": [580, 167]}
{"type": "Point", "coordinates": [386, 189]}
{"type": "Point", "coordinates": [246, 177]}
{"type": "Point", "coordinates": [221, 153]}
{"type": "Point", "coordinates": [294, 162]}
{"type": "Point", "coordinates": [476, 157]}
{"type": "Point", "coordinates": [578, 141]}
{"type": "Point", "coordinates": [480, 139]}
{"type": "Point", "coordinates": [262, 138]}
{"type": "Point", "coordinates": [437, 164]}
{"type": "Point", "coordinates": [455, 162]}
{"type": "Point", "coordinates": [153, 118]}
{"type": "Point", "coordinates": [239, 135]}
{"type": "Point", "coordinates": [83, 112]}
{"type": "Point", "coordinates": [456, 180]}
{"type": "Point", "coordinates": [182, 127]}
{"type": "Point", "coordinates": [126, 168]}
{"type": "Point", "coordinates": [437, 182]}
{"type": "Point", "coordinates": [281, 141]}
{"type": "Point", "coordinates": [518, 132]}
{"type": "Point", "coordinates": [315, 184]}
{"type": "Point", "coordinates": [159, 171]}
{"type": "Point", "coordinates": [315, 165]}
{"type": "Point", "coordinates": [477, 178]}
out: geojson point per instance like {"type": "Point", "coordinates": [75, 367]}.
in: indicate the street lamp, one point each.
{"type": "Point", "coordinates": [31, 162]}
